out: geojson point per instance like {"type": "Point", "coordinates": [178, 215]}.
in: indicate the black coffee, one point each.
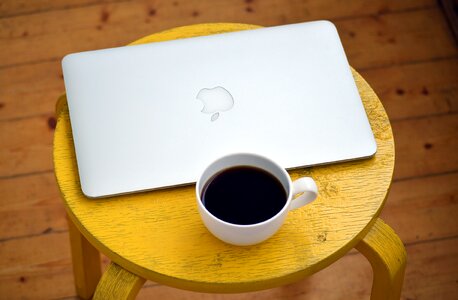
{"type": "Point", "coordinates": [244, 195]}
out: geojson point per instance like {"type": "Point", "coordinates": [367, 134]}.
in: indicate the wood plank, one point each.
{"type": "Point", "coordinates": [16, 7]}
{"type": "Point", "coordinates": [10, 8]}
{"type": "Point", "coordinates": [30, 90]}
{"type": "Point", "coordinates": [369, 41]}
{"type": "Point", "coordinates": [29, 221]}
{"type": "Point", "coordinates": [30, 205]}
{"type": "Point", "coordinates": [438, 279]}
{"type": "Point", "coordinates": [426, 146]}
{"type": "Point", "coordinates": [33, 191]}
{"type": "Point", "coordinates": [397, 38]}
{"type": "Point", "coordinates": [36, 267]}
{"type": "Point", "coordinates": [416, 90]}
{"type": "Point", "coordinates": [54, 254]}
{"type": "Point", "coordinates": [51, 285]}
{"type": "Point", "coordinates": [429, 203]}
{"type": "Point", "coordinates": [28, 269]}
{"type": "Point", "coordinates": [26, 145]}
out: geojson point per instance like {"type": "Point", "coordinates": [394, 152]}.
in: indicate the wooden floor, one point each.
{"type": "Point", "coordinates": [405, 49]}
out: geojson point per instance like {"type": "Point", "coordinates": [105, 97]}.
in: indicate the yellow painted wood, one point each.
{"type": "Point", "coordinates": [387, 255]}
{"type": "Point", "coordinates": [86, 263]}
{"type": "Point", "coordinates": [193, 31]}
{"type": "Point", "coordinates": [158, 235]}
{"type": "Point", "coordinates": [118, 284]}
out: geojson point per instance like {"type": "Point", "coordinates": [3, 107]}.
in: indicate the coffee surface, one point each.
{"type": "Point", "coordinates": [244, 195]}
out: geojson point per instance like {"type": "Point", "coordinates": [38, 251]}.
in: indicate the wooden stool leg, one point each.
{"type": "Point", "coordinates": [387, 255]}
{"type": "Point", "coordinates": [86, 263]}
{"type": "Point", "coordinates": [117, 283]}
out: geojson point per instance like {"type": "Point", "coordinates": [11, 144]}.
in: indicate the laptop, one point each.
{"type": "Point", "coordinates": [155, 115]}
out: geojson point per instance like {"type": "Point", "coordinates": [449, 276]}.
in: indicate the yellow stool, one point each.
{"type": "Point", "coordinates": [159, 236]}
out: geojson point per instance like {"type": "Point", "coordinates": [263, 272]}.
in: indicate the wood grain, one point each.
{"type": "Point", "coordinates": [416, 90]}
{"type": "Point", "coordinates": [30, 205]}
{"type": "Point", "coordinates": [426, 146]}
{"type": "Point", "coordinates": [117, 283]}
{"type": "Point", "coordinates": [28, 222]}
{"type": "Point", "coordinates": [86, 263]}
{"type": "Point", "coordinates": [369, 41]}
{"type": "Point", "coordinates": [10, 8]}
{"type": "Point", "coordinates": [33, 192]}
{"type": "Point", "coordinates": [396, 39]}
{"type": "Point", "coordinates": [30, 90]}
{"type": "Point", "coordinates": [16, 7]}
{"type": "Point", "coordinates": [36, 271]}
{"type": "Point", "coordinates": [387, 255]}
{"type": "Point", "coordinates": [423, 209]}
{"type": "Point", "coordinates": [26, 145]}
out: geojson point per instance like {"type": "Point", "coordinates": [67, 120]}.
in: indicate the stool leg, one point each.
{"type": "Point", "coordinates": [387, 255]}
{"type": "Point", "coordinates": [86, 263]}
{"type": "Point", "coordinates": [118, 283]}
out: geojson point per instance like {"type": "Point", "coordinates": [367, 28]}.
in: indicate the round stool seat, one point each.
{"type": "Point", "coordinates": [158, 235]}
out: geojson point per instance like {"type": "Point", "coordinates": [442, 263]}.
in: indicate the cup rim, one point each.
{"type": "Point", "coordinates": [283, 171]}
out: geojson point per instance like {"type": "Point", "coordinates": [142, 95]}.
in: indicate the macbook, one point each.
{"type": "Point", "coordinates": [155, 115]}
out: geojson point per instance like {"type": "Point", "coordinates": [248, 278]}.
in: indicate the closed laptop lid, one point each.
{"type": "Point", "coordinates": [154, 115]}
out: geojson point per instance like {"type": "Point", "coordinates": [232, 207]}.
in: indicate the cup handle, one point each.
{"type": "Point", "coordinates": [309, 190]}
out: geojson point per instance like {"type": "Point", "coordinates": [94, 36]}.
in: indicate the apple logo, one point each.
{"type": "Point", "coordinates": [215, 100]}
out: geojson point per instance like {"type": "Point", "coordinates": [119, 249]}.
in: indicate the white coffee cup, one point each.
{"type": "Point", "coordinates": [244, 235]}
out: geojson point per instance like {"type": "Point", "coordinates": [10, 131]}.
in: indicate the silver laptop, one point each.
{"type": "Point", "coordinates": [153, 116]}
